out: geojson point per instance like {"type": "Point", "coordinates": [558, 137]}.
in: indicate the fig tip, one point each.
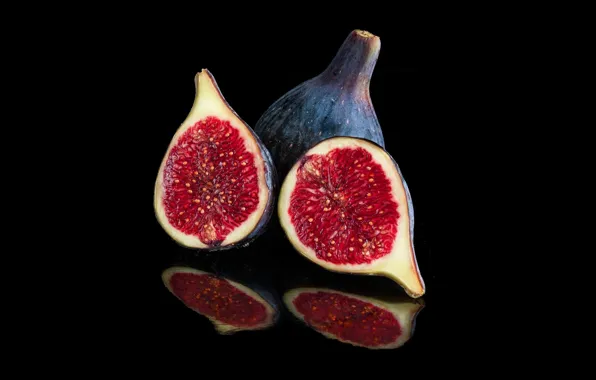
{"type": "Point", "coordinates": [204, 72]}
{"type": "Point", "coordinates": [364, 33]}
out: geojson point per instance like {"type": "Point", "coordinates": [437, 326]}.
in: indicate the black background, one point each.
{"type": "Point", "coordinates": [254, 64]}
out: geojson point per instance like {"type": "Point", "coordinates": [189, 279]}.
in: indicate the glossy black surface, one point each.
{"type": "Point", "coordinates": [271, 268]}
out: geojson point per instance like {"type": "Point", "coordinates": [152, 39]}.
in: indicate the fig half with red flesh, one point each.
{"type": "Point", "coordinates": [215, 186]}
{"type": "Point", "coordinates": [345, 206]}
{"type": "Point", "coordinates": [229, 305]}
{"type": "Point", "coordinates": [355, 319]}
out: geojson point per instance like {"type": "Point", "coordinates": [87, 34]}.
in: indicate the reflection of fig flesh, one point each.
{"type": "Point", "coordinates": [215, 186]}
{"type": "Point", "coordinates": [230, 305]}
{"type": "Point", "coordinates": [354, 319]}
{"type": "Point", "coordinates": [345, 206]}
{"type": "Point", "coordinates": [334, 103]}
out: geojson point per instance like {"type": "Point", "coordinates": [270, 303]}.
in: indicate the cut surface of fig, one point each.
{"type": "Point", "coordinates": [211, 181]}
{"type": "Point", "coordinates": [342, 206]}
{"type": "Point", "coordinates": [214, 187]}
{"type": "Point", "coordinates": [345, 206]}
{"type": "Point", "coordinates": [229, 305]}
{"type": "Point", "coordinates": [350, 318]}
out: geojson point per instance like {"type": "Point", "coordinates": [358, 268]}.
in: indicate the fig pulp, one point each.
{"type": "Point", "coordinates": [334, 103]}
{"type": "Point", "coordinates": [215, 186]}
{"type": "Point", "coordinates": [229, 305]}
{"type": "Point", "coordinates": [345, 206]}
{"type": "Point", "coordinates": [354, 319]}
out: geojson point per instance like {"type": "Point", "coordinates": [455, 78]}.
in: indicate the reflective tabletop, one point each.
{"type": "Point", "coordinates": [267, 296]}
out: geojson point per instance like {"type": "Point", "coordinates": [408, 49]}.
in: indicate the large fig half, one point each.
{"type": "Point", "coordinates": [334, 103]}
{"type": "Point", "coordinates": [355, 319]}
{"type": "Point", "coordinates": [229, 305]}
{"type": "Point", "coordinates": [345, 206]}
{"type": "Point", "coordinates": [215, 186]}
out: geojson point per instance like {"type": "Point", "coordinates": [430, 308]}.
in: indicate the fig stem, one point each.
{"type": "Point", "coordinates": [355, 60]}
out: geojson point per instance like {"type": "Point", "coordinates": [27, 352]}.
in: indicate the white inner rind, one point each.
{"type": "Point", "coordinates": [223, 328]}
{"type": "Point", "coordinates": [405, 313]}
{"type": "Point", "coordinates": [399, 264]}
{"type": "Point", "coordinates": [210, 102]}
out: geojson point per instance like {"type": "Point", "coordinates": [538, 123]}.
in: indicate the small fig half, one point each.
{"type": "Point", "coordinates": [354, 319]}
{"type": "Point", "coordinates": [229, 305]}
{"type": "Point", "coordinates": [215, 186]}
{"type": "Point", "coordinates": [345, 206]}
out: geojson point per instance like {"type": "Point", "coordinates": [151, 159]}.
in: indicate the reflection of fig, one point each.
{"type": "Point", "coordinates": [215, 186]}
{"type": "Point", "coordinates": [334, 103]}
{"type": "Point", "coordinates": [231, 306]}
{"type": "Point", "coordinates": [355, 319]}
{"type": "Point", "coordinates": [345, 206]}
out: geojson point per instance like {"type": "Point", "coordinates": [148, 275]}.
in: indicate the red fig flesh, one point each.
{"type": "Point", "coordinates": [345, 206]}
{"type": "Point", "coordinates": [214, 188]}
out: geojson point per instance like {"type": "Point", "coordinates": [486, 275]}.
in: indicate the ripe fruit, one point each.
{"type": "Point", "coordinates": [229, 305]}
{"type": "Point", "coordinates": [355, 319]}
{"type": "Point", "coordinates": [334, 103]}
{"type": "Point", "coordinates": [345, 206]}
{"type": "Point", "coordinates": [215, 186]}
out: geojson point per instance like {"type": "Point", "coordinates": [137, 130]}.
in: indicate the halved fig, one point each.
{"type": "Point", "coordinates": [345, 206]}
{"type": "Point", "coordinates": [215, 186]}
{"type": "Point", "coordinates": [354, 319]}
{"type": "Point", "coordinates": [229, 305]}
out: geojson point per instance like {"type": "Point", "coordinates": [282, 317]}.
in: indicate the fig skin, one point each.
{"type": "Point", "coordinates": [334, 103]}
{"type": "Point", "coordinates": [213, 93]}
{"type": "Point", "coordinates": [410, 280]}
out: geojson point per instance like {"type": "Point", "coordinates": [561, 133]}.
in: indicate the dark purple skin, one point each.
{"type": "Point", "coordinates": [334, 103]}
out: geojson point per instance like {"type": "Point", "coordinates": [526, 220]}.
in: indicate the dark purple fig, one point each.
{"type": "Point", "coordinates": [215, 188]}
{"type": "Point", "coordinates": [334, 103]}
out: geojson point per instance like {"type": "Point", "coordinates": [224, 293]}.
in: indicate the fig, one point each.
{"type": "Point", "coordinates": [361, 321]}
{"type": "Point", "coordinates": [345, 206]}
{"type": "Point", "coordinates": [229, 305]}
{"type": "Point", "coordinates": [334, 103]}
{"type": "Point", "coordinates": [215, 188]}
